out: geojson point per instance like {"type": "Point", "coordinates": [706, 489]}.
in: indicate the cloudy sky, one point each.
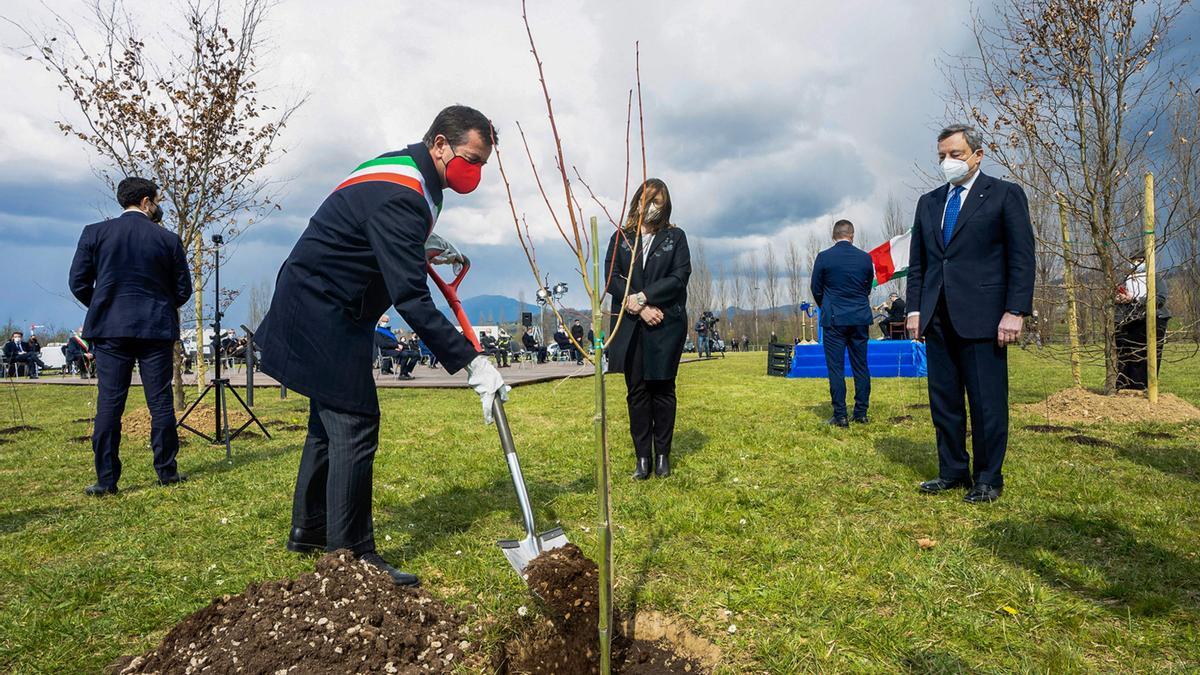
{"type": "Point", "coordinates": [768, 120]}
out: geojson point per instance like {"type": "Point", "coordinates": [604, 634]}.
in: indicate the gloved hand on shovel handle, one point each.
{"type": "Point", "coordinates": [487, 382]}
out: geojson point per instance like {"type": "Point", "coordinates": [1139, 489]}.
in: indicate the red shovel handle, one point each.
{"type": "Point", "coordinates": [450, 291]}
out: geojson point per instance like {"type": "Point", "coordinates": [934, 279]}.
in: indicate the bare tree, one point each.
{"type": "Point", "coordinates": [795, 284]}
{"type": "Point", "coordinates": [739, 298]}
{"type": "Point", "coordinates": [754, 290]}
{"type": "Point", "coordinates": [700, 284]}
{"type": "Point", "coordinates": [259, 301]}
{"type": "Point", "coordinates": [191, 121]}
{"type": "Point", "coordinates": [1073, 91]}
{"type": "Point", "coordinates": [771, 287]}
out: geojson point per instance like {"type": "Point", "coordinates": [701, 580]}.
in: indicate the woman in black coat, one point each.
{"type": "Point", "coordinates": [647, 278]}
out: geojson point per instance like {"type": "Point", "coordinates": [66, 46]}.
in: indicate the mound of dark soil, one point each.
{"type": "Point", "coordinates": [1155, 435]}
{"type": "Point", "coordinates": [346, 617]}
{"type": "Point", "coordinates": [568, 583]}
{"type": "Point", "coordinates": [1089, 440]}
{"type": "Point", "coordinates": [1047, 428]}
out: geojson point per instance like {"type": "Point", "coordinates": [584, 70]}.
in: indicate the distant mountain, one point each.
{"type": "Point", "coordinates": [490, 309]}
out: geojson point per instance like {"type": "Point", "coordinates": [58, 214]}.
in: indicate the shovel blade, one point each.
{"type": "Point", "coordinates": [521, 551]}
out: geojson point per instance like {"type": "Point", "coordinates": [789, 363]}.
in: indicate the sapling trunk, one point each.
{"type": "Point", "coordinates": [604, 532]}
{"type": "Point", "coordinates": [1069, 282]}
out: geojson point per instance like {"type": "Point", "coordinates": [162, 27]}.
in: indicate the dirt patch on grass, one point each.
{"type": "Point", "coordinates": [1089, 440]}
{"type": "Point", "coordinates": [285, 426]}
{"type": "Point", "coordinates": [18, 429]}
{"type": "Point", "coordinates": [918, 406]}
{"type": "Point", "coordinates": [86, 438]}
{"type": "Point", "coordinates": [136, 422]}
{"type": "Point", "coordinates": [346, 617]}
{"type": "Point", "coordinates": [900, 419]}
{"type": "Point", "coordinates": [83, 420]}
{"type": "Point", "coordinates": [1075, 406]}
{"type": "Point", "coordinates": [568, 583]}
{"type": "Point", "coordinates": [1047, 428]}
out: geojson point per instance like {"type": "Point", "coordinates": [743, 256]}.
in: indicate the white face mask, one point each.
{"type": "Point", "coordinates": [955, 169]}
{"type": "Point", "coordinates": [652, 212]}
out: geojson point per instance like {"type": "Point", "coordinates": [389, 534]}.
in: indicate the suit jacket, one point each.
{"type": "Point", "coordinates": [133, 276]}
{"type": "Point", "coordinates": [10, 349]}
{"type": "Point", "coordinates": [841, 285]}
{"type": "Point", "coordinates": [988, 266]}
{"type": "Point", "coordinates": [664, 280]}
{"type": "Point", "coordinates": [363, 250]}
{"type": "Point", "coordinates": [897, 312]}
{"type": "Point", "coordinates": [1128, 312]}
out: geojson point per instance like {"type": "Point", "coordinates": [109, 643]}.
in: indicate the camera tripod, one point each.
{"type": "Point", "coordinates": [218, 384]}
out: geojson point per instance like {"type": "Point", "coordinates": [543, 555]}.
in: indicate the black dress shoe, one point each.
{"type": "Point", "coordinates": [99, 490]}
{"type": "Point", "coordinates": [983, 493]}
{"type": "Point", "coordinates": [860, 419]}
{"type": "Point", "coordinates": [642, 470]}
{"type": "Point", "coordinates": [177, 478]}
{"type": "Point", "coordinates": [306, 541]}
{"type": "Point", "coordinates": [941, 485]}
{"type": "Point", "coordinates": [836, 421]}
{"type": "Point", "coordinates": [399, 578]}
{"type": "Point", "coordinates": [662, 466]}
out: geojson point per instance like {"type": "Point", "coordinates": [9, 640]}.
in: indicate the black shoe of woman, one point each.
{"type": "Point", "coordinates": [662, 467]}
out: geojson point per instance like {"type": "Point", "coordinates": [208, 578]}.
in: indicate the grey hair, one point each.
{"type": "Point", "coordinates": [971, 134]}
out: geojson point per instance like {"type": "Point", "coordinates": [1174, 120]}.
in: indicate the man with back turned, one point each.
{"type": "Point", "coordinates": [970, 285]}
{"type": "Point", "coordinates": [132, 275]}
{"type": "Point", "coordinates": [841, 286]}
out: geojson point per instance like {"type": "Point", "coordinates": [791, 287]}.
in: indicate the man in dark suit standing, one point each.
{"type": "Point", "coordinates": [362, 251]}
{"type": "Point", "coordinates": [841, 286]}
{"type": "Point", "coordinates": [133, 276]}
{"type": "Point", "coordinates": [970, 285]}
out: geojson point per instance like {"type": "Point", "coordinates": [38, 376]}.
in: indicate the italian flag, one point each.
{"type": "Point", "coordinates": [891, 258]}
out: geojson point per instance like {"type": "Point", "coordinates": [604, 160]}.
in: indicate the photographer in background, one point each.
{"type": "Point", "coordinates": [132, 275]}
{"type": "Point", "coordinates": [702, 347]}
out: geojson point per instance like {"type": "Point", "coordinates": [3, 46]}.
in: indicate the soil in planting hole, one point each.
{"type": "Point", "coordinates": [18, 429]}
{"type": "Point", "coordinates": [346, 617]}
{"type": "Point", "coordinates": [1047, 428]}
{"type": "Point", "coordinates": [1089, 440]}
{"type": "Point", "coordinates": [900, 419]}
{"type": "Point", "coordinates": [568, 583]}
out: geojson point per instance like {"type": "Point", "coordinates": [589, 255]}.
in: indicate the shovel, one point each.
{"type": "Point", "coordinates": [519, 552]}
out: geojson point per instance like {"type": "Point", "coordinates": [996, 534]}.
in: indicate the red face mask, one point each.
{"type": "Point", "coordinates": [462, 175]}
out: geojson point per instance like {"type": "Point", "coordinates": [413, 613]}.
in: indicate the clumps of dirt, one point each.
{"type": "Point", "coordinates": [568, 584]}
{"type": "Point", "coordinates": [83, 420]}
{"type": "Point", "coordinates": [1076, 406]}
{"type": "Point", "coordinates": [285, 426]}
{"type": "Point", "coordinates": [136, 422]}
{"type": "Point", "coordinates": [1154, 435]}
{"type": "Point", "coordinates": [1048, 428]}
{"type": "Point", "coordinates": [346, 617]}
{"type": "Point", "coordinates": [918, 406]}
{"type": "Point", "coordinates": [1089, 440]}
{"type": "Point", "coordinates": [86, 438]}
{"type": "Point", "coordinates": [900, 419]}
{"type": "Point", "coordinates": [18, 429]}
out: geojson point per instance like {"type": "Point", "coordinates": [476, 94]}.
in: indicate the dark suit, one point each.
{"type": "Point", "coordinates": [1132, 355]}
{"type": "Point", "coordinates": [896, 313]}
{"type": "Point", "coordinates": [22, 352]}
{"type": "Point", "coordinates": [962, 290]}
{"type": "Point", "coordinates": [133, 276]}
{"type": "Point", "coordinates": [649, 355]}
{"type": "Point", "coordinates": [363, 250]}
{"type": "Point", "coordinates": [841, 286]}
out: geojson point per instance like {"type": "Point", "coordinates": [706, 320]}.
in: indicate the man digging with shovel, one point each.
{"type": "Point", "coordinates": [362, 251]}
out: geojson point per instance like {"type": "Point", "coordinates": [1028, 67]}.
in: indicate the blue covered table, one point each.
{"type": "Point", "coordinates": [885, 358]}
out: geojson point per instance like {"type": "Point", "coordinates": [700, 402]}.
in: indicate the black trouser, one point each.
{"type": "Point", "coordinates": [114, 369]}
{"type": "Point", "coordinates": [1132, 361]}
{"type": "Point", "coordinates": [29, 359]}
{"type": "Point", "coordinates": [501, 355]}
{"type": "Point", "coordinates": [409, 358]}
{"type": "Point", "coordinates": [980, 369]}
{"type": "Point", "coordinates": [839, 340]}
{"type": "Point", "coordinates": [333, 487]}
{"type": "Point", "coordinates": [651, 404]}
{"type": "Point", "coordinates": [386, 358]}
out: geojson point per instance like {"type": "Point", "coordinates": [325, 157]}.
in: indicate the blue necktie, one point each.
{"type": "Point", "coordinates": [952, 208]}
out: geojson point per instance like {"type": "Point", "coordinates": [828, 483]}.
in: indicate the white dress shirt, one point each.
{"type": "Point", "coordinates": [962, 201]}
{"type": "Point", "coordinates": [647, 242]}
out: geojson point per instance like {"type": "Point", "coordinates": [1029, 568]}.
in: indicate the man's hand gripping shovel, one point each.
{"type": "Point", "coordinates": [519, 552]}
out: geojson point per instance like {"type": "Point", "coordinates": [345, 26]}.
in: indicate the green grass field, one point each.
{"type": "Point", "coordinates": [805, 535]}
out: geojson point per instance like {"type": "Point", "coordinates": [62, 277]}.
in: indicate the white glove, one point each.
{"type": "Point", "coordinates": [487, 382]}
